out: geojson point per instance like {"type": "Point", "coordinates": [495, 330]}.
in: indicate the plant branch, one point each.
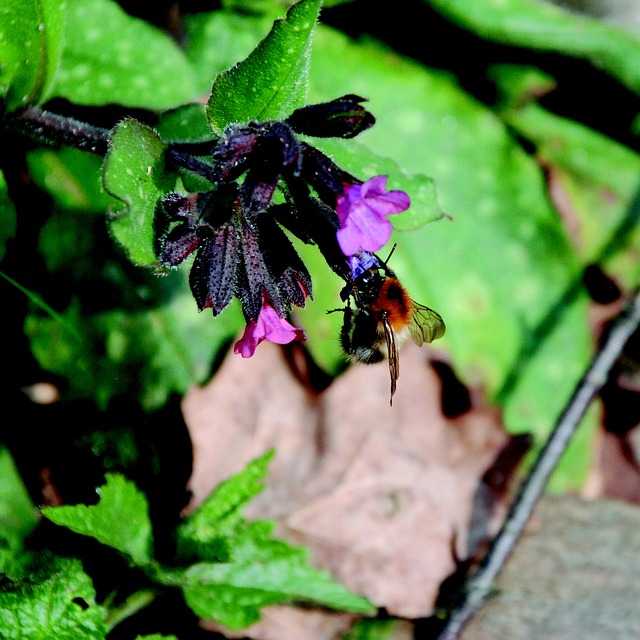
{"type": "Point", "coordinates": [480, 584]}
{"type": "Point", "coordinates": [53, 129]}
{"type": "Point", "coordinates": [181, 160]}
{"type": "Point", "coordinates": [134, 603]}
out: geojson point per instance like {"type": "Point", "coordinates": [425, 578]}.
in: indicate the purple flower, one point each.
{"type": "Point", "coordinates": [362, 211]}
{"type": "Point", "coordinates": [269, 326]}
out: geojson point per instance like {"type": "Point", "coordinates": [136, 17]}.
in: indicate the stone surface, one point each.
{"type": "Point", "coordinates": [574, 576]}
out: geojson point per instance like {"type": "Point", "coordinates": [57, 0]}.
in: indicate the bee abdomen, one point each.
{"type": "Point", "coordinates": [368, 354]}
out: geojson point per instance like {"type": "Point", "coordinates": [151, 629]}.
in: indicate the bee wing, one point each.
{"type": "Point", "coordinates": [392, 350]}
{"type": "Point", "coordinates": [426, 324]}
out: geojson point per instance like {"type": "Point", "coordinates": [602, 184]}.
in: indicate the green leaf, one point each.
{"type": "Point", "coordinates": [8, 221]}
{"type": "Point", "coordinates": [262, 571]}
{"type": "Point", "coordinates": [578, 160]}
{"type": "Point", "coordinates": [119, 520]}
{"type": "Point", "coordinates": [18, 515]}
{"type": "Point", "coordinates": [272, 81]}
{"type": "Point", "coordinates": [134, 172]}
{"type": "Point", "coordinates": [546, 27]}
{"type": "Point", "coordinates": [375, 630]}
{"type": "Point", "coordinates": [202, 532]}
{"type": "Point", "coordinates": [251, 568]}
{"type": "Point", "coordinates": [157, 636]}
{"type": "Point", "coordinates": [149, 353]}
{"type": "Point", "coordinates": [185, 124]}
{"type": "Point", "coordinates": [111, 57]}
{"type": "Point", "coordinates": [167, 349]}
{"type": "Point", "coordinates": [30, 48]}
{"type": "Point", "coordinates": [72, 177]}
{"type": "Point", "coordinates": [216, 40]}
{"type": "Point", "coordinates": [56, 599]}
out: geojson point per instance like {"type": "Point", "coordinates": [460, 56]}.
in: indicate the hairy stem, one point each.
{"type": "Point", "coordinates": [182, 160]}
{"type": "Point", "coordinates": [480, 584]}
{"type": "Point", "coordinates": [53, 129]}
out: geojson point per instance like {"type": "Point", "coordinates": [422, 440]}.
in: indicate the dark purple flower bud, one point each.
{"type": "Point", "coordinates": [284, 263]}
{"type": "Point", "coordinates": [177, 206]}
{"type": "Point", "coordinates": [177, 245]}
{"type": "Point", "coordinates": [232, 151]}
{"type": "Point", "coordinates": [179, 242]}
{"type": "Point", "coordinates": [313, 222]}
{"type": "Point", "coordinates": [343, 117]}
{"type": "Point", "coordinates": [276, 151]}
{"type": "Point", "coordinates": [213, 275]}
{"type": "Point", "coordinates": [255, 281]}
{"type": "Point", "coordinates": [257, 190]}
{"type": "Point", "coordinates": [278, 144]}
{"type": "Point", "coordinates": [323, 174]}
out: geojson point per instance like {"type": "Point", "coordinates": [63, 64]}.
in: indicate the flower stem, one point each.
{"type": "Point", "coordinates": [134, 603]}
{"type": "Point", "coordinates": [480, 584]}
{"type": "Point", "coordinates": [53, 129]}
{"type": "Point", "coordinates": [189, 162]}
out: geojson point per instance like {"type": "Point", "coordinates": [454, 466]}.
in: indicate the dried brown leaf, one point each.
{"type": "Point", "coordinates": [382, 496]}
{"type": "Point", "coordinates": [287, 622]}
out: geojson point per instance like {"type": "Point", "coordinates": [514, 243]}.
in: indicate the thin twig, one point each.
{"type": "Point", "coordinates": [480, 584]}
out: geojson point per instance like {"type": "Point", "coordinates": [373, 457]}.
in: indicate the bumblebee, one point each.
{"type": "Point", "coordinates": [383, 316]}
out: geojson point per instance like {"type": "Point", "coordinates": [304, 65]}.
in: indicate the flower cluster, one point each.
{"type": "Point", "coordinates": [265, 179]}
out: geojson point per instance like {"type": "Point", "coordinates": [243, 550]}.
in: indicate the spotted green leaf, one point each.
{"type": "Point", "coordinates": [272, 81]}
{"type": "Point", "coordinates": [134, 173]}
{"type": "Point", "coordinates": [72, 177]}
{"type": "Point", "coordinates": [217, 40]}
{"type": "Point", "coordinates": [30, 48]}
{"type": "Point", "coordinates": [111, 57]}
{"type": "Point", "coordinates": [185, 124]}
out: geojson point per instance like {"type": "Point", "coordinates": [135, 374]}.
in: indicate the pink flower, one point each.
{"type": "Point", "coordinates": [269, 326]}
{"type": "Point", "coordinates": [362, 211]}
